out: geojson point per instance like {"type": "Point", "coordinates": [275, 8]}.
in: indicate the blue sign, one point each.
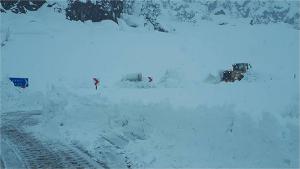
{"type": "Point", "coordinates": [19, 82]}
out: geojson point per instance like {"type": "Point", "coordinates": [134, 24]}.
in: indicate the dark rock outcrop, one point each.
{"type": "Point", "coordinates": [101, 10]}
{"type": "Point", "coordinates": [21, 6]}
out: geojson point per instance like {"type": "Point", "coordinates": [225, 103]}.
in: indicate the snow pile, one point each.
{"type": "Point", "coordinates": [213, 79]}
{"type": "Point", "coordinates": [19, 99]}
{"type": "Point", "coordinates": [171, 78]}
{"type": "Point", "coordinates": [142, 84]}
{"type": "Point", "coordinates": [158, 135]}
{"type": "Point", "coordinates": [215, 137]}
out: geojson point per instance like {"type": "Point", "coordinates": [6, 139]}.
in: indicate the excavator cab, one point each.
{"type": "Point", "coordinates": [241, 67]}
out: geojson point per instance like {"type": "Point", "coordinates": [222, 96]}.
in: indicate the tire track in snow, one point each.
{"type": "Point", "coordinates": [36, 153]}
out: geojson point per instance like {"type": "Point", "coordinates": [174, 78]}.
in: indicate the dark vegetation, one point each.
{"type": "Point", "coordinates": [21, 6]}
{"type": "Point", "coordinates": [101, 10]}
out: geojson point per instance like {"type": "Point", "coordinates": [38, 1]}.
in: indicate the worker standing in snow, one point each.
{"type": "Point", "coordinates": [96, 82]}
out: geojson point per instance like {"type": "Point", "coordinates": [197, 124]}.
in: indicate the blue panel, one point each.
{"type": "Point", "coordinates": [19, 82]}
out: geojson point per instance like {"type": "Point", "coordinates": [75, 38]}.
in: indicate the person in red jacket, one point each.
{"type": "Point", "coordinates": [96, 82]}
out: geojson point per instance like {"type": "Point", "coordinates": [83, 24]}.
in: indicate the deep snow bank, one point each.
{"type": "Point", "coordinates": [159, 135]}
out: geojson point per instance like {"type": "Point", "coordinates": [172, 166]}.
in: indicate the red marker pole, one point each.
{"type": "Point", "coordinates": [96, 82]}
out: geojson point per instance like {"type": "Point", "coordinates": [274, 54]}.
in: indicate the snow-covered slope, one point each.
{"type": "Point", "coordinates": [218, 11]}
{"type": "Point", "coordinates": [180, 119]}
{"type": "Point", "coordinates": [156, 14]}
{"type": "Point", "coordinates": [258, 12]}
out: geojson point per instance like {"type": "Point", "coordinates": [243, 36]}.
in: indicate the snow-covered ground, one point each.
{"type": "Point", "coordinates": [180, 119]}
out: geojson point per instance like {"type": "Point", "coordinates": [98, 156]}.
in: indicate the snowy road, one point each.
{"type": "Point", "coordinates": [20, 149]}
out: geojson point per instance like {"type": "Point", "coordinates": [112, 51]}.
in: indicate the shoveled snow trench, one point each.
{"type": "Point", "coordinates": [20, 149]}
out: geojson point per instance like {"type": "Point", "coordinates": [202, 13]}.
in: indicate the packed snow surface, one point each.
{"type": "Point", "coordinates": [184, 117]}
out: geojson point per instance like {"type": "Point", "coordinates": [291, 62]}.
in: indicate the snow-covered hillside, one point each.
{"type": "Point", "coordinates": [257, 12]}
{"type": "Point", "coordinates": [156, 14]}
{"type": "Point", "coordinates": [181, 118]}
